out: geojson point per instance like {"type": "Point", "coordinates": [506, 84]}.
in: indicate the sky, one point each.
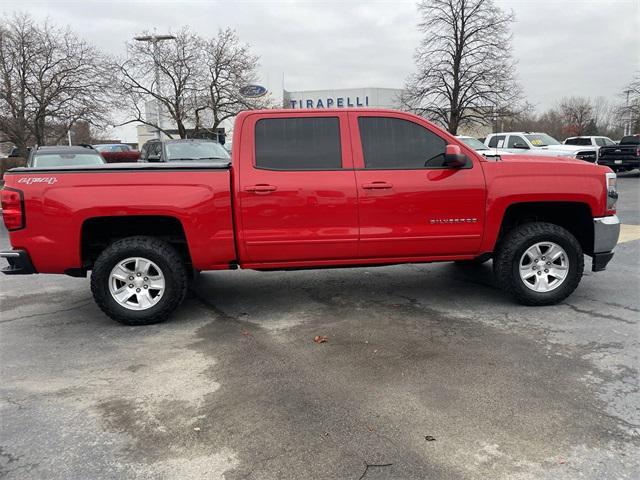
{"type": "Point", "coordinates": [563, 47]}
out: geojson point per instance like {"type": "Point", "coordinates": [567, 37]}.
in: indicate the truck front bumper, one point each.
{"type": "Point", "coordinates": [19, 263]}
{"type": "Point", "coordinates": [606, 231]}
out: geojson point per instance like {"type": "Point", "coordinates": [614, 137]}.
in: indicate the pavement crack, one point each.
{"type": "Point", "coordinates": [52, 312]}
{"type": "Point", "coordinates": [367, 466]}
{"type": "Point", "coordinates": [595, 314]}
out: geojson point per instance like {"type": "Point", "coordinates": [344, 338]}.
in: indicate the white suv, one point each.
{"type": "Point", "coordinates": [593, 141]}
{"type": "Point", "coordinates": [533, 143]}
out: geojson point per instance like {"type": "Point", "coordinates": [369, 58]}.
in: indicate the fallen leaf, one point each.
{"type": "Point", "coordinates": [320, 338]}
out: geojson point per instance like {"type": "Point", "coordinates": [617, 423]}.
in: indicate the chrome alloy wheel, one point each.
{"type": "Point", "coordinates": [136, 283]}
{"type": "Point", "coordinates": [544, 266]}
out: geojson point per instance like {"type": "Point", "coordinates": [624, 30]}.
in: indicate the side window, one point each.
{"type": "Point", "coordinates": [305, 143]}
{"type": "Point", "coordinates": [516, 141]}
{"type": "Point", "coordinates": [399, 144]}
{"type": "Point", "coordinates": [497, 141]}
{"type": "Point", "coordinates": [600, 142]}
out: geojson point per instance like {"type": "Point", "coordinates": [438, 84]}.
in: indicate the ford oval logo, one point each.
{"type": "Point", "coordinates": [253, 91]}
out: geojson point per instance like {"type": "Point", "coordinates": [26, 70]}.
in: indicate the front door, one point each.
{"type": "Point", "coordinates": [409, 204]}
{"type": "Point", "coordinates": [298, 199]}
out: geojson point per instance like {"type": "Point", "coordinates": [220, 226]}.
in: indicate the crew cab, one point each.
{"type": "Point", "coordinates": [593, 141]}
{"type": "Point", "coordinates": [535, 143]}
{"type": "Point", "coordinates": [622, 157]}
{"type": "Point", "coordinates": [312, 189]}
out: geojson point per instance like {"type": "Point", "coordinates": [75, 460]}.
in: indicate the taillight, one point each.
{"type": "Point", "coordinates": [12, 208]}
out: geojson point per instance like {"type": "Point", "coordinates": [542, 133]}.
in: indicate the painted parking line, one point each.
{"type": "Point", "coordinates": [629, 233]}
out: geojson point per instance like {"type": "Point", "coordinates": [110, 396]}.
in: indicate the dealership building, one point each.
{"type": "Point", "coordinates": [343, 98]}
{"type": "Point", "coordinates": [367, 97]}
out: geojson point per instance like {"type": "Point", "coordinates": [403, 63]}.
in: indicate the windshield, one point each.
{"type": "Point", "coordinates": [630, 140]}
{"type": "Point", "coordinates": [541, 139]}
{"type": "Point", "coordinates": [195, 151]}
{"type": "Point", "coordinates": [473, 143]}
{"type": "Point", "coordinates": [67, 159]}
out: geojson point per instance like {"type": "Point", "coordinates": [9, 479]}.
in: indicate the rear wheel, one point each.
{"type": "Point", "coordinates": [539, 263]}
{"type": "Point", "coordinates": [139, 280]}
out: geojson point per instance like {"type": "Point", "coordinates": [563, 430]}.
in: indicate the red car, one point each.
{"type": "Point", "coordinates": [312, 189]}
{"type": "Point", "coordinates": [117, 152]}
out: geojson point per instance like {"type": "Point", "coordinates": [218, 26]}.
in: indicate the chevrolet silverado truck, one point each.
{"type": "Point", "coordinates": [622, 157]}
{"type": "Point", "coordinates": [311, 189]}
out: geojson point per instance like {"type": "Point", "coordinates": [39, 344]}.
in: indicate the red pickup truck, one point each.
{"type": "Point", "coordinates": [312, 189]}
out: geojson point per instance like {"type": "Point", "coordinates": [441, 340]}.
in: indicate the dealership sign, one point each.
{"type": "Point", "coordinates": [253, 91]}
{"type": "Point", "coordinates": [331, 102]}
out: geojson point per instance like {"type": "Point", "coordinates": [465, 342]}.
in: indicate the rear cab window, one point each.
{"type": "Point", "coordinates": [298, 143]}
{"type": "Point", "coordinates": [497, 141]}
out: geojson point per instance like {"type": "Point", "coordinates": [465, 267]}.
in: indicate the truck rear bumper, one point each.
{"type": "Point", "coordinates": [606, 231]}
{"type": "Point", "coordinates": [19, 263]}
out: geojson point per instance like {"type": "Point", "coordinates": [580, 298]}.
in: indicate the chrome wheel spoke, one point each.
{"type": "Point", "coordinates": [544, 266]}
{"type": "Point", "coordinates": [131, 285]}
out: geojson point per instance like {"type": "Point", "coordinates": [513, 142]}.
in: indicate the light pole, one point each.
{"type": "Point", "coordinates": [154, 39]}
{"type": "Point", "coordinates": [627, 124]}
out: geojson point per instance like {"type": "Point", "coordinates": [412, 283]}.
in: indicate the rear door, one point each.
{"type": "Point", "coordinates": [409, 204]}
{"type": "Point", "coordinates": [296, 188]}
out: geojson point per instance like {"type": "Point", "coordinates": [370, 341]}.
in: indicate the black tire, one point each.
{"type": "Point", "coordinates": [159, 252]}
{"type": "Point", "coordinates": [516, 242]}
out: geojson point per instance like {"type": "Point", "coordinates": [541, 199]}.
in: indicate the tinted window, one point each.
{"type": "Point", "coordinates": [497, 141]}
{"type": "Point", "coordinates": [630, 140]}
{"type": "Point", "coordinates": [67, 159]}
{"type": "Point", "coordinates": [580, 141]}
{"type": "Point", "coordinates": [516, 141]}
{"type": "Point", "coordinates": [195, 151]}
{"type": "Point", "coordinates": [399, 144]}
{"type": "Point", "coordinates": [311, 143]}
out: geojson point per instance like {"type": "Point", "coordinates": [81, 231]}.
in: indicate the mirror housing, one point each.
{"type": "Point", "coordinates": [153, 158]}
{"type": "Point", "coordinates": [453, 157]}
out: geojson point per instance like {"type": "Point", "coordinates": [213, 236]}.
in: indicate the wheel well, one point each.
{"type": "Point", "coordinates": [98, 233]}
{"type": "Point", "coordinates": [573, 216]}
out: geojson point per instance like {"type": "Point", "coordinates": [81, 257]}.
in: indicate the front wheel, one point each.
{"type": "Point", "coordinates": [539, 263]}
{"type": "Point", "coordinates": [139, 280]}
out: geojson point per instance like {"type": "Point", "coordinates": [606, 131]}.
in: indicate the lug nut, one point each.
{"type": "Point", "coordinates": [137, 289]}
{"type": "Point", "coordinates": [130, 278]}
{"type": "Point", "coordinates": [548, 263]}
{"type": "Point", "coordinates": [534, 267]}
{"type": "Point", "coordinates": [131, 285]}
{"type": "Point", "coordinates": [146, 278]}
{"type": "Point", "coordinates": [546, 270]}
{"type": "Point", "coordinates": [543, 258]}
{"type": "Point", "coordinates": [138, 274]}
{"type": "Point", "coordinates": [146, 286]}
{"type": "Point", "coordinates": [539, 272]}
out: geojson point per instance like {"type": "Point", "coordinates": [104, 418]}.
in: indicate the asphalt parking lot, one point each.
{"type": "Point", "coordinates": [429, 372]}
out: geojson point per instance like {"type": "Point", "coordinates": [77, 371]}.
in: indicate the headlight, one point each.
{"type": "Point", "coordinates": [612, 190]}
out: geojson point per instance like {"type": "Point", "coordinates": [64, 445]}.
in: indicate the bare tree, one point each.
{"type": "Point", "coordinates": [465, 71]}
{"type": "Point", "coordinates": [50, 80]}
{"type": "Point", "coordinates": [577, 114]}
{"type": "Point", "coordinates": [229, 65]}
{"type": "Point", "coordinates": [161, 74]}
{"type": "Point", "coordinates": [629, 112]}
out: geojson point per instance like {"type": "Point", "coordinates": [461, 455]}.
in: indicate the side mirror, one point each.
{"type": "Point", "coordinates": [522, 146]}
{"type": "Point", "coordinates": [153, 158]}
{"type": "Point", "coordinates": [453, 157]}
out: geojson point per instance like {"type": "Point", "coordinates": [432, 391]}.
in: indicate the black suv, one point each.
{"type": "Point", "coordinates": [61, 156]}
{"type": "Point", "coordinates": [183, 149]}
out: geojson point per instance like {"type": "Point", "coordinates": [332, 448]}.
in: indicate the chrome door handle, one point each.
{"type": "Point", "coordinates": [261, 188]}
{"type": "Point", "coordinates": [377, 186]}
